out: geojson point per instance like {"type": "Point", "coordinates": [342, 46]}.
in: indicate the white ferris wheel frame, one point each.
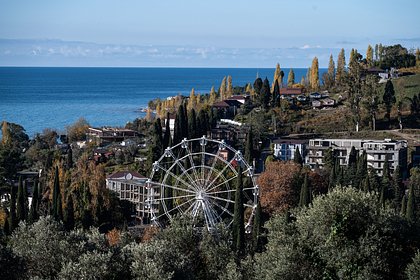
{"type": "Point", "coordinates": [208, 193]}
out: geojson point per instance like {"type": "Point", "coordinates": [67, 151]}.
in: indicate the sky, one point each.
{"type": "Point", "coordinates": [187, 33]}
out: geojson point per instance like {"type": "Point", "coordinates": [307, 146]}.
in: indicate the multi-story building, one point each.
{"type": "Point", "coordinates": [284, 149]}
{"type": "Point", "coordinates": [109, 134]}
{"type": "Point", "coordinates": [132, 186]}
{"type": "Point", "coordinates": [377, 151]}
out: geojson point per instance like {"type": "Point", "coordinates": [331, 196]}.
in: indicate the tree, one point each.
{"type": "Point", "coordinates": [20, 207]}
{"type": "Point", "coordinates": [166, 141]}
{"type": "Point", "coordinates": [277, 77]}
{"type": "Point", "coordinates": [249, 147]}
{"type": "Point", "coordinates": [265, 94]}
{"type": "Point", "coordinates": [33, 212]}
{"type": "Point", "coordinates": [291, 78]}
{"type": "Point", "coordinates": [341, 68]}
{"type": "Point", "coordinates": [280, 186]}
{"type": "Point", "coordinates": [13, 222]}
{"type": "Point", "coordinates": [369, 56]}
{"type": "Point", "coordinates": [192, 101]}
{"type": "Point", "coordinates": [256, 228]}
{"type": "Point", "coordinates": [258, 83]}
{"type": "Point", "coordinates": [342, 235]}
{"type": "Point", "coordinates": [315, 74]}
{"type": "Point", "coordinates": [156, 145]}
{"type": "Point", "coordinates": [297, 158]}
{"type": "Point", "coordinates": [238, 217]}
{"type": "Point", "coordinates": [410, 214]}
{"type": "Point", "coordinates": [78, 130]}
{"type": "Point", "coordinates": [213, 96]}
{"type": "Point", "coordinates": [229, 90]}
{"type": "Point", "coordinates": [276, 95]}
{"type": "Point", "coordinates": [305, 194]}
{"type": "Point", "coordinates": [192, 125]}
{"type": "Point", "coordinates": [69, 213]}
{"type": "Point", "coordinates": [57, 210]}
{"type": "Point", "coordinates": [329, 77]}
{"type": "Point", "coordinates": [413, 269]}
{"type": "Point", "coordinates": [222, 89]}
{"type": "Point", "coordinates": [389, 99]}
{"type": "Point", "coordinates": [370, 95]}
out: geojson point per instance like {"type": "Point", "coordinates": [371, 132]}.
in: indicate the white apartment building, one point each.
{"type": "Point", "coordinates": [395, 151]}
{"type": "Point", "coordinates": [132, 186]}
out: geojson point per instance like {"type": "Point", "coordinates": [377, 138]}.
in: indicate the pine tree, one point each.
{"type": "Point", "coordinates": [410, 213]}
{"type": "Point", "coordinates": [229, 90]}
{"type": "Point", "coordinates": [389, 99]}
{"type": "Point", "coordinates": [166, 141]}
{"type": "Point", "coordinates": [222, 89]}
{"type": "Point", "coordinates": [20, 206]}
{"type": "Point", "coordinates": [305, 194]}
{"type": "Point", "coordinates": [369, 56]}
{"type": "Point", "coordinates": [69, 213]}
{"type": "Point", "coordinates": [341, 68]}
{"type": "Point", "coordinates": [13, 222]}
{"type": "Point", "coordinates": [256, 228]}
{"type": "Point", "coordinates": [33, 212]}
{"type": "Point", "coordinates": [249, 147]}
{"type": "Point", "coordinates": [238, 217]}
{"type": "Point", "coordinates": [57, 205]}
{"type": "Point", "coordinates": [315, 74]}
{"type": "Point", "coordinates": [69, 162]}
{"type": "Point", "coordinates": [291, 78]}
{"type": "Point", "coordinates": [277, 76]}
{"type": "Point", "coordinates": [298, 157]}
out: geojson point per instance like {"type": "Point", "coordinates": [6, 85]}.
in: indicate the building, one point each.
{"type": "Point", "coordinates": [132, 186]}
{"type": "Point", "coordinates": [415, 156]}
{"type": "Point", "coordinates": [284, 149]}
{"type": "Point", "coordinates": [230, 131]}
{"type": "Point", "coordinates": [290, 92]}
{"type": "Point", "coordinates": [377, 152]}
{"type": "Point", "coordinates": [109, 135]}
{"type": "Point", "coordinates": [227, 108]}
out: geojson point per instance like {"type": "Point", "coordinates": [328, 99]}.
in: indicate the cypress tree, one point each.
{"type": "Point", "coordinates": [57, 206]}
{"type": "Point", "coordinates": [20, 205]}
{"type": "Point", "coordinates": [192, 125]}
{"type": "Point", "coordinates": [410, 213]}
{"type": "Point", "coordinates": [265, 94]}
{"type": "Point", "coordinates": [203, 123]}
{"type": "Point", "coordinates": [33, 213]}
{"type": "Point", "coordinates": [382, 196]}
{"type": "Point", "coordinates": [389, 99]}
{"type": "Point", "coordinates": [332, 178]}
{"type": "Point", "coordinates": [249, 147]}
{"type": "Point", "coordinates": [331, 71]}
{"type": "Point", "coordinates": [403, 206]}
{"type": "Point", "coordinates": [177, 127]}
{"type": "Point", "coordinates": [361, 173]}
{"type": "Point", "coordinates": [13, 222]}
{"type": "Point", "coordinates": [69, 213]}
{"type": "Point", "coordinates": [238, 217]}
{"type": "Point", "coordinates": [6, 225]}
{"type": "Point", "coordinates": [256, 228]}
{"type": "Point", "coordinates": [297, 158]}
{"type": "Point", "coordinates": [291, 78]}
{"type": "Point", "coordinates": [166, 142]}
{"type": "Point", "coordinates": [276, 95]}
{"type": "Point", "coordinates": [397, 187]}
{"type": "Point", "coordinates": [305, 195]}
{"type": "Point", "coordinates": [385, 178]}
{"type": "Point", "coordinates": [258, 83]}
{"type": "Point", "coordinates": [366, 184]}
{"type": "Point", "coordinates": [69, 162]}
{"type": "Point", "coordinates": [229, 87]}
{"type": "Point", "coordinates": [277, 76]}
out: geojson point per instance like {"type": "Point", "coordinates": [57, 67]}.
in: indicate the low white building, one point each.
{"type": "Point", "coordinates": [284, 149]}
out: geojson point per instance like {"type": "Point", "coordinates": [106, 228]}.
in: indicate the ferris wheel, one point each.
{"type": "Point", "coordinates": [197, 178]}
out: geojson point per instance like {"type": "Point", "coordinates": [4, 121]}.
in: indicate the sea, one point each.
{"type": "Point", "coordinates": [56, 97]}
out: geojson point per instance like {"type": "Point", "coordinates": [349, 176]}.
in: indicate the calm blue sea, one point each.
{"type": "Point", "coordinates": [44, 97]}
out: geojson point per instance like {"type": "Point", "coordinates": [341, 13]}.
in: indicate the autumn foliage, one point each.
{"type": "Point", "coordinates": [279, 186]}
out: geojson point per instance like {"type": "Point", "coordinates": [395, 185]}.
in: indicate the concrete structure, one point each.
{"type": "Point", "coordinates": [284, 149]}
{"type": "Point", "coordinates": [109, 135]}
{"type": "Point", "coordinates": [131, 186]}
{"type": "Point", "coordinates": [377, 152]}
